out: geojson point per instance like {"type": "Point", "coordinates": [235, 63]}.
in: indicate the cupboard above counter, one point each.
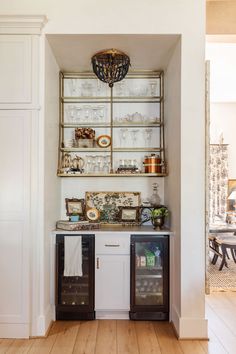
{"type": "Point", "coordinates": [112, 132]}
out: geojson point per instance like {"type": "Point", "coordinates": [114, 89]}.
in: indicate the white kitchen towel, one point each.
{"type": "Point", "coordinates": [73, 256]}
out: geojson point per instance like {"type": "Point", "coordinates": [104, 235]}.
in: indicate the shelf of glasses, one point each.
{"type": "Point", "coordinates": [115, 99]}
{"type": "Point", "coordinates": [133, 149]}
{"type": "Point", "coordinates": [113, 175]}
{"type": "Point", "coordinates": [103, 125]}
{"type": "Point", "coordinates": [86, 149]}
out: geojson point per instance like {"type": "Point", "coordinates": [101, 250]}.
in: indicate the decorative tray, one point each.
{"type": "Point", "coordinates": [76, 226]}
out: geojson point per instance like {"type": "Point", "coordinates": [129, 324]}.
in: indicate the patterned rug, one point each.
{"type": "Point", "coordinates": [224, 280]}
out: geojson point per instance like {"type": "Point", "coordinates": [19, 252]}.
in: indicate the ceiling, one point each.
{"type": "Point", "coordinates": [147, 52]}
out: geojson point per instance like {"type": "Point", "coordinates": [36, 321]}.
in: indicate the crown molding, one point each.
{"type": "Point", "coordinates": [22, 24]}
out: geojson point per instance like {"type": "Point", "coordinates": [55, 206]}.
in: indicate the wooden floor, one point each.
{"type": "Point", "coordinates": [123, 337]}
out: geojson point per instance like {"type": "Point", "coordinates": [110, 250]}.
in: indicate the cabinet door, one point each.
{"type": "Point", "coordinates": [112, 282]}
{"type": "Point", "coordinates": [15, 69]}
{"type": "Point", "coordinates": [14, 222]}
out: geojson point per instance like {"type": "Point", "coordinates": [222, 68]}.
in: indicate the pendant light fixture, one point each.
{"type": "Point", "coordinates": [110, 66]}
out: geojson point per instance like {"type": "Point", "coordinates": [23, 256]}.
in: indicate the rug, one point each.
{"type": "Point", "coordinates": [224, 280]}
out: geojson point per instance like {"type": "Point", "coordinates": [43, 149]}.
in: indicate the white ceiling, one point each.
{"type": "Point", "coordinates": [147, 52]}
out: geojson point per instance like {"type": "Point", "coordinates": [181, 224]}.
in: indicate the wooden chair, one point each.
{"type": "Point", "coordinates": [219, 244]}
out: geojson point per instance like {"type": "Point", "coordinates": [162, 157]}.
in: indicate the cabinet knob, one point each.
{"type": "Point", "coordinates": [97, 262]}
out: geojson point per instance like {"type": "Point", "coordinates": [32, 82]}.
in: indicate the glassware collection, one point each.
{"type": "Point", "coordinates": [130, 128]}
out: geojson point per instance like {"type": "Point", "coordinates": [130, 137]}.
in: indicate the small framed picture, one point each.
{"type": "Point", "coordinates": [129, 214]}
{"type": "Point", "coordinates": [74, 206]}
{"type": "Point", "coordinates": [92, 214]}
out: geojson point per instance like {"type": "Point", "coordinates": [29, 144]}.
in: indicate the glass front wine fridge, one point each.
{"type": "Point", "coordinates": [75, 294]}
{"type": "Point", "coordinates": [149, 295]}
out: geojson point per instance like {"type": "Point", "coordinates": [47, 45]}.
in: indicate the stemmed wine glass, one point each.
{"type": "Point", "coordinates": [123, 136]}
{"type": "Point", "coordinates": [134, 133]}
{"type": "Point", "coordinates": [147, 136]}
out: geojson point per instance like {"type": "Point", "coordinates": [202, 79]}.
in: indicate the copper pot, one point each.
{"type": "Point", "coordinates": [152, 164]}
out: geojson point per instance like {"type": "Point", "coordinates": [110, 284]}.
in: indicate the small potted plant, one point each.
{"type": "Point", "coordinates": [158, 217]}
{"type": "Point", "coordinates": [74, 216]}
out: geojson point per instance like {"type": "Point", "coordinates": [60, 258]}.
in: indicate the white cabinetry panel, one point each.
{"type": "Point", "coordinates": [15, 83]}
{"type": "Point", "coordinates": [112, 282]}
{"type": "Point", "coordinates": [15, 128]}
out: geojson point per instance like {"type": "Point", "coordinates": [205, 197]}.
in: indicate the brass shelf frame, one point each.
{"type": "Point", "coordinates": [112, 175]}
{"type": "Point", "coordinates": [111, 124]}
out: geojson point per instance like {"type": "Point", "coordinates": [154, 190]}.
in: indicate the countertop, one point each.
{"type": "Point", "coordinates": [142, 230]}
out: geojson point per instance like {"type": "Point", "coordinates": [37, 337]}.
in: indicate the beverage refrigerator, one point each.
{"type": "Point", "coordinates": [75, 294]}
{"type": "Point", "coordinates": [149, 295]}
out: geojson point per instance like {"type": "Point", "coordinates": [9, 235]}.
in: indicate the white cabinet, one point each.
{"type": "Point", "coordinates": [14, 222]}
{"type": "Point", "coordinates": [112, 282]}
{"type": "Point", "coordinates": [112, 275]}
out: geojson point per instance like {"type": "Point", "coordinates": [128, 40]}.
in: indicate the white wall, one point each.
{"type": "Point", "coordinates": [164, 16]}
{"type": "Point", "coordinates": [52, 184]}
{"type": "Point", "coordinates": [222, 58]}
{"type": "Point", "coordinates": [173, 181]}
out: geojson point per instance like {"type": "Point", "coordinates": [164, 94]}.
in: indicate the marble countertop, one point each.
{"type": "Point", "coordinates": [142, 230]}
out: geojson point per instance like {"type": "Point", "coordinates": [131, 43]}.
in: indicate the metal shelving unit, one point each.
{"type": "Point", "coordinates": [111, 99]}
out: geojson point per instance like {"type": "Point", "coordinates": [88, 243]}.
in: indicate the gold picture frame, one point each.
{"type": "Point", "coordinates": [75, 206]}
{"type": "Point", "coordinates": [129, 214]}
{"type": "Point", "coordinates": [109, 203]}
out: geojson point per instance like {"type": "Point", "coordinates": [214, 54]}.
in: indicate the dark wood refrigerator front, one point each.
{"type": "Point", "coordinates": [75, 294]}
{"type": "Point", "coordinates": [149, 291]}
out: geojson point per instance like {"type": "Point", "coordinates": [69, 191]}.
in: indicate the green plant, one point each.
{"type": "Point", "coordinates": [159, 212]}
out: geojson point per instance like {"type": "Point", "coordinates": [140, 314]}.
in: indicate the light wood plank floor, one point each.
{"type": "Point", "coordinates": [130, 337]}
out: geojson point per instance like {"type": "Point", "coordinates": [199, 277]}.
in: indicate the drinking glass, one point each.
{"type": "Point", "coordinates": [153, 88]}
{"type": "Point", "coordinates": [147, 136]}
{"type": "Point", "coordinates": [87, 113]}
{"type": "Point", "coordinates": [123, 136]}
{"type": "Point", "coordinates": [134, 135]}
{"type": "Point", "coordinates": [88, 163]}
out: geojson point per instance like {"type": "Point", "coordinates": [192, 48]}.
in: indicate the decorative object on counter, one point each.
{"type": "Point", "coordinates": [110, 65]}
{"type": "Point", "coordinates": [66, 161]}
{"type": "Point", "coordinates": [155, 199]}
{"type": "Point", "coordinates": [152, 164]}
{"type": "Point", "coordinates": [75, 206]}
{"type": "Point", "coordinates": [108, 203]}
{"type": "Point", "coordinates": [128, 166]}
{"type": "Point", "coordinates": [84, 137]}
{"type": "Point", "coordinates": [78, 163]}
{"type": "Point", "coordinates": [129, 214]}
{"type": "Point", "coordinates": [74, 217]}
{"type": "Point", "coordinates": [76, 226]}
{"type": "Point", "coordinates": [104, 141]}
{"type": "Point", "coordinates": [92, 214]}
{"type": "Point", "coordinates": [158, 217]}
{"type": "Point", "coordinates": [145, 214]}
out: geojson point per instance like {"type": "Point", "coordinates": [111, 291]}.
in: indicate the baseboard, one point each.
{"type": "Point", "coordinates": [44, 323]}
{"type": "Point", "coordinates": [112, 315]}
{"type": "Point", "coordinates": [191, 328]}
{"type": "Point", "coordinates": [14, 330]}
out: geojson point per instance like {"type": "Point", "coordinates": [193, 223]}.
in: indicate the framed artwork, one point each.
{"type": "Point", "coordinates": [129, 214]}
{"type": "Point", "coordinates": [109, 203]}
{"type": "Point", "coordinates": [74, 206]}
{"type": "Point", "coordinates": [231, 203]}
